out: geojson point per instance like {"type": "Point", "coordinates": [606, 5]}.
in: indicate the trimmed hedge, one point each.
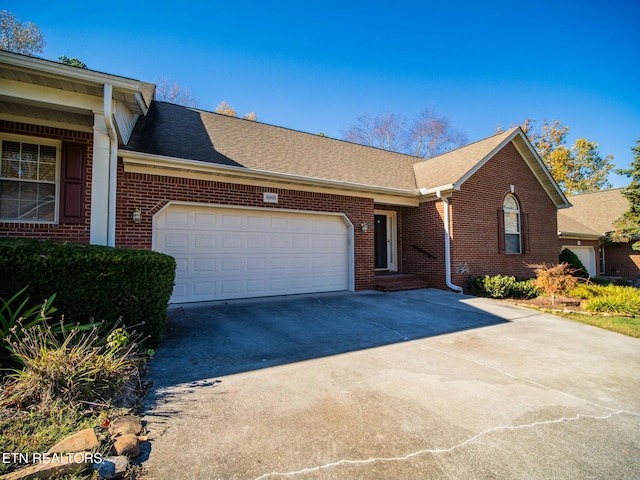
{"type": "Point", "coordinates": [92, 282]}
{"type": "Point", "coordinates": [502, 286]}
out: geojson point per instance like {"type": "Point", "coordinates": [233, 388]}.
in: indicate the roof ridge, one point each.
{"type": "Point", "coordinates": [506, 133]}
{"type": "Point", "coordinates": [596, 192]}
{"type": "Point", "coordinates": [290, 129]}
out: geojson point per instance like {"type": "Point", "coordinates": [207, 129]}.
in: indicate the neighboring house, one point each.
{"type": "Point", "coordinates": [249, 209]}
{"type": "Point", "coordinates": [582, 227]}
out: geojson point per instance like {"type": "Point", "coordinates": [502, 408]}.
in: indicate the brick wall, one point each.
{"type": "Point", "coordinates": [150, 193]}
{"type": "Point", "coordinates": [71, 233]}
{"type": "Point", "coordinates": [475, 220]}
{"type": "Point", "coordinates": [620, 260]}
{"type": "Point", "coordinates": [423, 239]}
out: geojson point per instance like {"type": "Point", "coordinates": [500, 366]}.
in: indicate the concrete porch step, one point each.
{"type": "Point", "coordinates": [398, 282]}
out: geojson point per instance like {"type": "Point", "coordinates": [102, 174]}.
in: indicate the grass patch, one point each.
{"type": "Point", "coordinates": [625, 325]}
{"type": "Point", "coordinates": [62, 382]}
{"type": "Point", "coordinates": [35, 432]}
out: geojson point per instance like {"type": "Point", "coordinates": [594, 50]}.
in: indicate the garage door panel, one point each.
{"type": "Point", "coordinates": [204, 219]}
{"type": "Point", "coordinates": [176, 218]}
{"type": "Point", "coordinates": [224, 253]}
{"type": "Point", "coordinates": [207, 265]}
{"type": "Point", "coordinates": [207, 241]}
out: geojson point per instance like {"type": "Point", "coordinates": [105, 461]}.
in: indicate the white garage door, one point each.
{"type": "Point", "coordinates": [225, 253]}
{"type": "Point", "coordinates": [587, 256]}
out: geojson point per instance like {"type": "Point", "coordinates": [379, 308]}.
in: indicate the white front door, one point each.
{"type": "Point", "coordinates": [227, 253]}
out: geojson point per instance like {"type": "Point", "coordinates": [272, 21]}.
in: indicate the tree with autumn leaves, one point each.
{"type": "Point", "coordinates": [577, 169]}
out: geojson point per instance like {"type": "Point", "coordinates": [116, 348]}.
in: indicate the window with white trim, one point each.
{"type": "Point", "coordinates": [28, 179]}
{"type": "Point", "coordinates": [512, 231]}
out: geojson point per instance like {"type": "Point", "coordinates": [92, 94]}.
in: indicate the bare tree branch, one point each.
{"type": "Point", "coordinates": [170, 91]}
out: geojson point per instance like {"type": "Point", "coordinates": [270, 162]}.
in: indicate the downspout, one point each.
{"type": "Point", "coordinates": [447, 246]}
{"type": "Point", "coordinates": [113, 164]}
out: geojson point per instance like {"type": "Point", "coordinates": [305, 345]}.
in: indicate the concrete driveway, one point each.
{"type": "Point", "coordinates": [408, 385]}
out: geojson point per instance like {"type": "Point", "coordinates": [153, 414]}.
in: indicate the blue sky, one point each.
{"type": "Point", "coordinates": [316, 66]}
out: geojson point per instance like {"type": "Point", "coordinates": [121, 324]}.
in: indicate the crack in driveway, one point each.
{"type": "Point", "coordinates": [443, 450]}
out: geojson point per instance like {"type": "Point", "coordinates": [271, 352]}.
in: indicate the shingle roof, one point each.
{"type": "Point", "coordinates": [187, 133]}
{"type": "Point", "coordinates": [592, 213]}
{"type": "Point", "coordinates": [450, 167]}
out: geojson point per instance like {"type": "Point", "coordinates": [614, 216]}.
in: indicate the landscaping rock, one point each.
{"type": "Point", "coordinates": [127, 444]}
{"type": "Point", "coordinates": [112, 468]}
{"type": "Point", "coordinates": [83, 440]}
{"type": "Point", "coordinates": [64, 465]}
{"type": "Point", "coordinates": [124, 425]}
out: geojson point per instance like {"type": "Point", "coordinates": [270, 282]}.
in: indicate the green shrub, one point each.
{"type": "Point", "coordinates": [571, 259]}
{"type": "Point", "coordinates": [92, 282]}
{"type": "Point", "coordinates": [502, 286]}
{"type": "Point", "coordinates": [585, 291]}
{"type": "Point", "coordinates": [526, 289]}
{"type": "Point", "coordinates": [613, 304]}
{"type": "Point", "coordinates": [609, 298]}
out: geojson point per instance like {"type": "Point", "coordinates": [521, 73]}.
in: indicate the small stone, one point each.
{"type": "Point", "coordinates": [83, 440]}
{"type": "Point", "coordinates": [127, 444]}
{"type": "Point", "coordinates": [64, 465]}
{"type": "Point", "coordinates": [112, 468]}
{"type": "Point", "coordinates": [125, 424]}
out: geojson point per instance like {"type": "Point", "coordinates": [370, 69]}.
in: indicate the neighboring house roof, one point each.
{"type": "Point", "coordinates": [592, 214]}
{"type": "Point", "coordinates": [173, 131]}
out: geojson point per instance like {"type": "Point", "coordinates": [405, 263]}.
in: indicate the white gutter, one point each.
{"type": "Point", "coordinates": [447, 245]}
{"type": "Point", "coordinates": [113, 164]}
{"type": "Point", "coordinates": [130, 157]}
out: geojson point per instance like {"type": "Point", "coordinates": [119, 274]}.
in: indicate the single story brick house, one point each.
{"type": "Point", "coordinates": [582, 228]}
{"type": "Point", "coordinates": [250, 209]}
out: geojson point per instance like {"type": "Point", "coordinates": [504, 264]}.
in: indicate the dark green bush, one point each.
{"type": "Point", "coordinates": [92, 282]}
{"type": "Point", "coordinates": [502, 286]}
{"type": "Point", "coordinates": [570, 258]}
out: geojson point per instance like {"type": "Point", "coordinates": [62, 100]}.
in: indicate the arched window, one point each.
{"type": "Point", "coordinates": [512, 225]}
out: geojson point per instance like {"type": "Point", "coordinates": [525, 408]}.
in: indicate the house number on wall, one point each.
{"type": "Point", "coordinates": [270, 197]}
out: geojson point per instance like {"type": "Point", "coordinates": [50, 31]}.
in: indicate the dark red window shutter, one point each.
{"type": "Point", "coordinates": [501, 239]}
{"type": "Point", "coordinates": [72, 176]}
{"type": "Point", "coordinates": [524, 232]}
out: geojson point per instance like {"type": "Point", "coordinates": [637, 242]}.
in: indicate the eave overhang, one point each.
{"type": "Point", "coordinates": [145, 163]}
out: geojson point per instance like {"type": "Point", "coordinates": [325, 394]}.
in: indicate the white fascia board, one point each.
{"type": "Point", "coordinates": [196, 166]}
{"type": "Point", "coordinates": [67, 71]}
{"type": "Point", "coordinates": [46, 123]}
{"type": "Point", "coordinates": [50, 96]}
{"type": "Point", "coordinates": [430, 194]}
{"type": "Point", "coordinates": [578, 235]}
{"type": "Point", "coordinates": [562, 201]}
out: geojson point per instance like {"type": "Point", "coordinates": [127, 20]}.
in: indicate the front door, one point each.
{"type": "Point", "coordinates": [385, 248]}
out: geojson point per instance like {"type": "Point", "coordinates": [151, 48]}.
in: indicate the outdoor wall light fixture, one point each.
{"type": "Point", "coordinates": [136, 216]}
{"type": "Point", "coordinates": [364, 227]}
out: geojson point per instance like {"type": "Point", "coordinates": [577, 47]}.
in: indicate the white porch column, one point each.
{"type": "Point", "coordinates": [99, 233]}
